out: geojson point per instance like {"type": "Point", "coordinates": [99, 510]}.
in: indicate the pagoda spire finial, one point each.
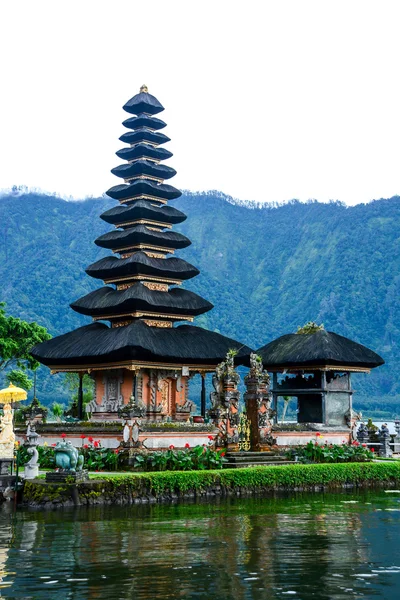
{"type": "Point", "coordinates": [144, 89]}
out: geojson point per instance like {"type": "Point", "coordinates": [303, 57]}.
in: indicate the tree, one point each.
{"type": "Point", "coordinates": [20, 379]}
{"type": "Point", "coordinates": [17, 338]}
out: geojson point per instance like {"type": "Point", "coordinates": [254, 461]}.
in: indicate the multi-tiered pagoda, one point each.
{"type": "Point", "coordinates": [141, 352]}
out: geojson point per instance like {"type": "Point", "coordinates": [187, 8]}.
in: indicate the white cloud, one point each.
{"type": "Point", "coordinates": [264, 100]}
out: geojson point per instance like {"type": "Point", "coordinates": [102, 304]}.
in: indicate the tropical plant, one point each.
{"type": "Point", "coordinates": [315, 452]}
{"type": "Point", "coordinates": [203, 457]}
{"type": "Point", "coordinates": [57, 411]}
{"type": "Point", "coordinates": [17, 338]}
{"type": "Point", "coordinates": [310, 327]}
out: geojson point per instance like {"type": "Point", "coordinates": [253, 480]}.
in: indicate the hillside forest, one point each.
{"type": "Point", "coordinates": [266, 269]}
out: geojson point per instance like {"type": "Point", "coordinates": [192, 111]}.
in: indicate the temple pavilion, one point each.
{"type": "Point", "coordinates": [140, 343]}
{"type": "Point", "coordinates": [316, 368]}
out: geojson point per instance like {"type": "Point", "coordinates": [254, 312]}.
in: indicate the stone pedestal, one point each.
{"type": "Point", "coordinates": [63, 476]}
{"type": "Point", "coordinates": [5, 466]}
{"type": "Point", "coordinates": [31, 471]}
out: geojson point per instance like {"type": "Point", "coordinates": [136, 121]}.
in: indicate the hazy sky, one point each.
{"type": "Point", "coordinates": [265, 100]}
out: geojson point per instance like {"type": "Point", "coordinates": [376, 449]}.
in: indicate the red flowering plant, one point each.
{"type": "Point", "coordinates": [313, 452]}
{"type": "Point", "coordinates": [98, 458]}
{"type": "Point", "coordinates": [199, 457]}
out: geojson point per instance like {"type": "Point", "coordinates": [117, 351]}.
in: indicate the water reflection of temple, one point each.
{"type": "Point", "coordinates": [235, 550]}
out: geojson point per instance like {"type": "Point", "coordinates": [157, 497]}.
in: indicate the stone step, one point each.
{"type": "Point", "coordinates": [238, 458]}
{"type": "Point", "coordinates": [229, 465]}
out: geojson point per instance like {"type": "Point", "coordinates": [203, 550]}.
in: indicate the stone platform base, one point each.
{"type": "Point", "coordinates": [5, 466]}
{"type": "Point", "coordinates": [67, 476]}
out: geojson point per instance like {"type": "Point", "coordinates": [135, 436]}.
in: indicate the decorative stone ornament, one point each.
{"type": "Point", "coordinates": [32, 466]}
{"type": "Point", "coordinates": [7, 436]}
{"type": "Point", "coordinates": [225, 403]}
{"type": "Point", "coordinates": [384, 436]}
{"type": "Point", "coordinates": [257, 399]}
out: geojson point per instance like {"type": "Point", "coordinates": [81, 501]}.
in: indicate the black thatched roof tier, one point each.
{"type": "Point", "coordinates": [99, 344]}
{"type": "Point", "coordinates": [143, 103]}
{"type": "Point", "coordinates": [144, 121]}
{"type": "Point", "coordinates": [127, 191]}
{"type": "Point", "coordinates": [143, 167]}
{"type": "Point", "coordinates": [143, 209]}
{"type": "Point", "coordinates": [111, 267]}
{"type": "Point", "coordinates": [110, 302]}
{"type": "Point", "coordinates": [144, 151]}
{"type": "Point", "coordinates": [144, 135]}
{"type": "Point", "coordinates": [323, 348]}
{"type": "Point", "coordinates": [140, 234]}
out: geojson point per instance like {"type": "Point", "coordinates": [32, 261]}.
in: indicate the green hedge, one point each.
{"type": "Point", "coordinates": [257, 478]}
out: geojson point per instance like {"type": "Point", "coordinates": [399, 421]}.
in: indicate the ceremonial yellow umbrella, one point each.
{"type": "Point", "coordinates": [12, 394]}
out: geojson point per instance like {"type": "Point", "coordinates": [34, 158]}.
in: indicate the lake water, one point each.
{"type": "Point", "coordinates": [325, 547]}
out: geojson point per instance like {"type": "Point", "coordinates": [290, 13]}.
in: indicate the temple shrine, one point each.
{"type": "Point", "coordinates": [316, 369]}
{"type": "Point", "coordinates": [147, 352]}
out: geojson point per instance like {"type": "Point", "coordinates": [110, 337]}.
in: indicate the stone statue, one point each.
{"type": "Point", "coordinates": [362, 433]}
{"type": "Point", "coordinates": [32, 466]}
{"type": "Point", "coordinates": [68, 457]}
{"type": "Point", "coordinates": [7, 436]}
{"type": "Point", "coordinates": [384, 436]}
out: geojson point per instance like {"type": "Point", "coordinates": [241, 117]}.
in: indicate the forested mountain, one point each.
{"type": "Point", "coordinates": [266, 270]}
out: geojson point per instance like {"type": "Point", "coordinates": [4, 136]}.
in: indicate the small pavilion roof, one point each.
{"type": "Point", "coordinates": [144, 121]}
{"type": "Point", "coordinates": [142, 209]}
{"type": "Point", "coordinates": [139, 263]}
{"type": "Point", "coordinates": [107, 301]}
{"type": "Point", "coordinates": [143, 151]}
{"type": "Point", "coordinates": [125, 191]}
{"type": "Point", "coordinates": [144, 135]}
{"type": "Point", "coordinates": [143, 103]}
{"type": "Point", "coordinates": [140, 234]}
{"type": "Point", "coordinates": [319, 349]}
{"type": "Point", "coordinates": [143, 167]}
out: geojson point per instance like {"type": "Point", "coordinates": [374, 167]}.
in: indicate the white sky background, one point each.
{"type": "Point", "coordinates": [265, 100]}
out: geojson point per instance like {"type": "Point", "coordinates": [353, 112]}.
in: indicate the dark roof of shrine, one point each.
{"type": "Point", "coordinates": [143, 151]}
{"type": "Point", "coordinates": [98, 343]}
{"type": "Point", "coordinates": [144, 121]}
{"type": "Point", "coordinates": [143, 103]}
{"type": "Point", "coordinates": [140, 234]}
{"type": "Point", "coordinates": [140, 264]}
{"type": "Point", "coordinates": [323, 348]}
{"type": "Point", "coordinates": [143, 209]}
{"type": "Point", "coordinates": [143, 167]}
{"type": "Point", "coordinates": [125, 191]}
{"type": "Point", "coordinates": [144, 135]}
{"type": "Point", "coordinates": [107, 301]}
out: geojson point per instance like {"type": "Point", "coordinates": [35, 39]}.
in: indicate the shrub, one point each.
{"type": "Point", "coordinates": [258, 479]}
{"type": "Point", "coordinates": [189, 459]}
{"type": "Point", "coordinates": [331, 453]}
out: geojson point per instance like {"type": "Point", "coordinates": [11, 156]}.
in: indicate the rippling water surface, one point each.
{"type": "Point", "coordinates": [306, 546]}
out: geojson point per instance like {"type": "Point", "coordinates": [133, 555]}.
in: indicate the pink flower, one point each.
{"type": "Point", "coordinates": [86, 446]}
{"type": "Point", "coordinates": [171, 447]}
{"type": "Point", "coordinates": [63, 435]}
{"type": "Point", "coordinates": [364, 445]}
{"type": "Point", "coordinates": [372, 449]}
{"type": "Point", "coordinates": [187, 445]}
